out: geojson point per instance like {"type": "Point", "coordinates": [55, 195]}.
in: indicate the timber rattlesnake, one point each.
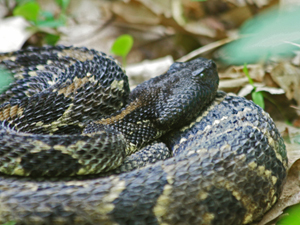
{"type": "Point", "coordinates": [70, 108]}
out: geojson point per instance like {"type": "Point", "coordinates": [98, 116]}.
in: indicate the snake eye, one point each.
{"type": "Point", "coordinates": [199, 72]}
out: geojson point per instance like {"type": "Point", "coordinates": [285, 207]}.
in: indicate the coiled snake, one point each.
{"type": "Point", "coordinates": [173, 151]}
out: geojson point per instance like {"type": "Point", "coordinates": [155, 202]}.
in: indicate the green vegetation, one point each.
{"type": "Point", "coordinates": [257, 96]}
{"type": "Point", "coordinates": [42, 21]}
{"type": "Point", "coordinates": [269, 34]}
{"type": "Point", "coordinates": [293, 216]}
{"type": "Point", "coordinates": [10, 223]}
{"type": "Point", "coordinates": [122, 46]}
{"type": "Point", "coordinates": [6, 79]}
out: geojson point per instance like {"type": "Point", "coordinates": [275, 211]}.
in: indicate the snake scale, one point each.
{"type": "Point", "coordinates": [77, 147]}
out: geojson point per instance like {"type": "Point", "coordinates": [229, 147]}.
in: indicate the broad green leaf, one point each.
{"type": "Point", "coordinates": [292, 216]}
{"type": "Point", "coordinates": [272, 33]}
{"type": "Point", "coordinates": [258, 99]}
{"type": "Point", "coordinates": [122, 45]}
{"type": "Point", "coordinates": [51, 39]}
{"type": "Point", "coordinates": [5, 79]}
{"type": "Point", "coordinates": [10, 223]}
{"type": "Point", "coordinates": [29, 11]}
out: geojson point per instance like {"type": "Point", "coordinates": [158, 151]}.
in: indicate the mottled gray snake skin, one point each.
{"type": "Point", "coordinates": [77, 147]}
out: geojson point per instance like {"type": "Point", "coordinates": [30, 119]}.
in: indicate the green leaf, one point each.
{"type": "Point", "coordinates": [51, 39]}
{"type": "Point", "coordinates": [269, 34]}
{"type": "Point", "coordinates": [63, 4]}
{"type": "Point", "coordinates": [50, 23]}
{"type": "Point", "coordinates": [5, 79]}
{"type": "Point", "coordinates": [258, 98]}
{"type": "Point", "coordinates": [292, 217]}
{"type": "Point", "coordinates": [245, 70]}
{"type": "Point", "coordinates": [19, 2]}
{"type": "Point", "coordinates": [47, 15]}
{"type": "Point", "coordinates": [29, 11]}
{"type": "Point", "coordinates": [63, 18]}
{"type": "Point", "coordinates": [10, 223]}
{"type": "Point", "coordinates": [122, 45]}
{"type": "Point", "coordinates": [48, 20]}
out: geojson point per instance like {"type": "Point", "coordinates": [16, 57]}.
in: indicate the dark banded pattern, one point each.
{"type": "Point", "coordinates": [223, 161]}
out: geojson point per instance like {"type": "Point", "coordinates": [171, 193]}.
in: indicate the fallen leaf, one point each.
{"type": "Point", "coordinates": [265, 36]}
{"type": "Point", "coordinates": [233, 83]}
{"type": "Point", "coordinates": [296, 59]}
{"type": "Point", "coordinates": [13, 33]}
{"type": "Point", "coordinates": [147, 69]}
{"type": "Point", "coordinates": [135, 13]}
{"type": "Point", "coordinates": [240, 3]}
{"type": "Point", "coordinates": [200, 28]}
{"type": "Point", "coordinates": [159, 7]}
{"type": "Point", "coordinates": [287, 77]}
{"type": "Point", "coordinates": [247, 89]}
{"type": "Point", "coordinates": [256, 72]}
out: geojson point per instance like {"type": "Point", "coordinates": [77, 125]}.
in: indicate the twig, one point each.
{"type": "Point", "coordinates": [206, 48]}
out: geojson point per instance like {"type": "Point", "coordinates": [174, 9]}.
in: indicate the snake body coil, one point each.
{"type": "Point", "coordinates": [70, 114]}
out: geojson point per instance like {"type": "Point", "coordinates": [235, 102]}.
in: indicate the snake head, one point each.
{"type": "Point", "coordinates": [196, 87]}
{"type": "Point", "coordinates": [202, 70]}
{"type": "Point", "coordinates": [180, 94]}
{"type": "Point", "coordinates": [166, 102]}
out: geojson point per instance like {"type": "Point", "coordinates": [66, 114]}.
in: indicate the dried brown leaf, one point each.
{"type": "Point", "coordinates": [147, 69]}
{"type": "Point", "coordinates": [236, 16]}
{"type": "Point", "coordinates": [177, 12]}
{"type": "Point", "coordinates": [159, 7]}
{"type": "Point", "coordinates": [135, 13]}
{"type": "Point", "coordinates": [256, 72]}
{"type": "Point", "coordinates": [247, 89]}
{"type": "Point", "coordinates": [233, 83]}
{"type": "Point", "coordinates": [200, 28]}
{"type": "Point", "coordinates": [258, 3]}
{"type": "Point", "coordinates": [193, 9]}
{"type": "Point", "coordinates": [287, 77]}
{"type": "Point", "coordinates": [206, 48]}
